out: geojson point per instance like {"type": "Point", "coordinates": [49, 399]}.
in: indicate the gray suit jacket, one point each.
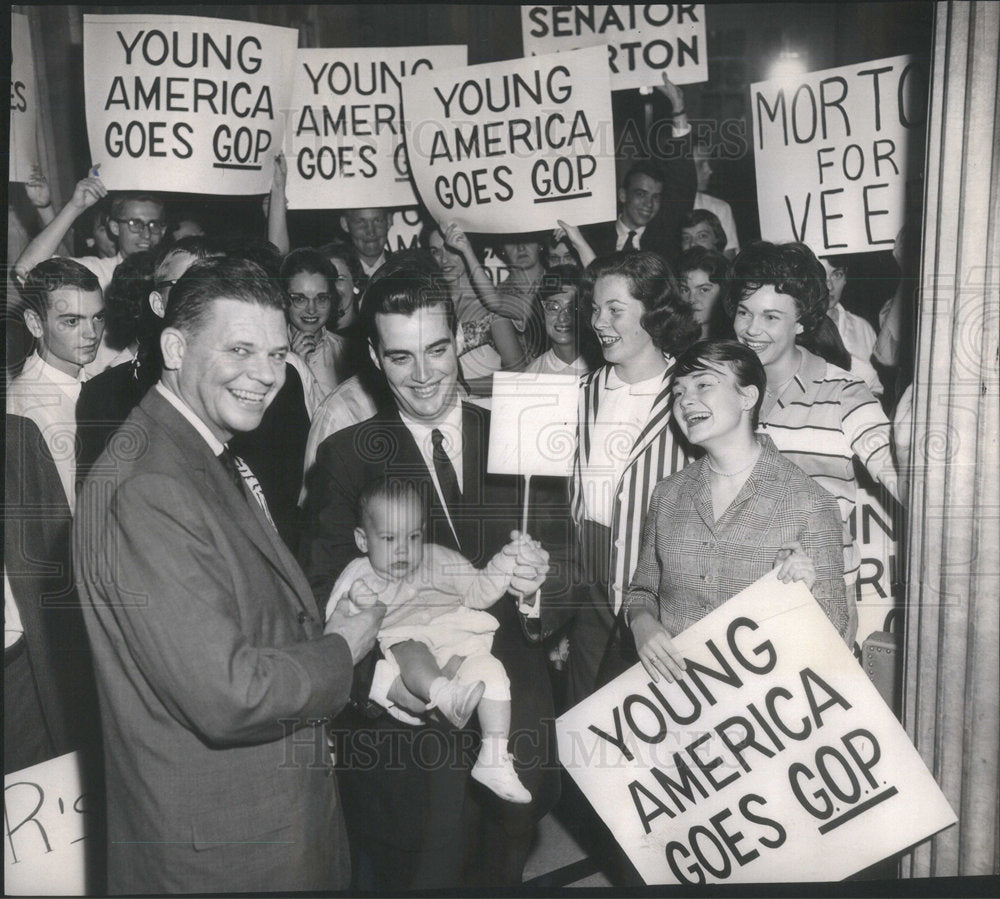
{"type": "Point", "coordinates": [213, 675]}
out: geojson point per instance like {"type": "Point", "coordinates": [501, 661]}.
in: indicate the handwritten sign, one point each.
{"type": "Point", "coordinates": [181, 103]}
{"type": "Point", "coordinates": [45, 814]}
{"type": "Point", "coordinates": [833, 150]}
{"type": "Point", "coordinates": [23, 101]}
{"type": "Point", "coordinates": [643, 41]}
{"type": "Point", "coordinates": [773, 759]}
{"type": "Point", "coordinates": [513, 146]}
{"type": "Point", "coordinates": [345, 141]}
{"type": "Point", "coordinates": [533, 424]}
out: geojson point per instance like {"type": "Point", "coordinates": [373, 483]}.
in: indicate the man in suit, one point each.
{"type": "Point", "coordinates": [214, 675]}
{"type": "Point", "coordinates": [411, 808]}
{"type": "Point", "coordinates": [655, 194]}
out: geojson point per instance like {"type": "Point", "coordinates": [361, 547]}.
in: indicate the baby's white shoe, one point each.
{"type": "Point", "coordinates": [498, 774]}
{"type": "Point", "coordinates": [457, 700]}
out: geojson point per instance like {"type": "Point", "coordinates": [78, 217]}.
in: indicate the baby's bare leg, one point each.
{"type": "Point", "coordinates": [417, 667]}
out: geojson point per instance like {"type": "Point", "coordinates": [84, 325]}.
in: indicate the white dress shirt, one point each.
{"type": "Point", "coordinates": [216, 445]}
{"type": "Point", "coordinates": [623, 232]}
{"type": "Point", "coordinates": [859, 341]}
{"type": "Point", "coordinates": [48, 397]}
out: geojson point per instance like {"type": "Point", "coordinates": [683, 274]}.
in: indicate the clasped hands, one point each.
{"type": "Point", "coordinates": [531, 563]}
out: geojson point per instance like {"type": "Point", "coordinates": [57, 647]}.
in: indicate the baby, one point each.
{"type": "Point", "coordinates": [434, 599]}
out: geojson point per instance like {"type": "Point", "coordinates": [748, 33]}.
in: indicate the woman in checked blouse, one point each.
{"type": "Point", "coordinates": [718, 525]}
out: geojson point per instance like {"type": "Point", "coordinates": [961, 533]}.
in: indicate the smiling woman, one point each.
{"type": "Point", "coordinates": [624, 442]}
{"type": "Point", "coordinates": [695, 553]}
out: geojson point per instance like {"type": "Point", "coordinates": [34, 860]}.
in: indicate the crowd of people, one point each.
{"type": "Point", "coordinates": [298, 583]}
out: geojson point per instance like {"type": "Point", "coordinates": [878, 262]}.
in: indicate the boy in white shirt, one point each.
{"type": "Point", "coordinates": [64, 311]}
{"type": "Point", "coordinates": [434, 599]}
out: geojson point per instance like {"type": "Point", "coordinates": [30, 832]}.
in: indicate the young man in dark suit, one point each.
{"type": "Point", "coordinates": [214, 674]}
{"type": "Point", "coordinates": [412, 811]}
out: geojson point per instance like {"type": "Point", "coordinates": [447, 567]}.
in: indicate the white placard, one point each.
{"type": "Point", "coordinates": [773, 759]}
{"type": "Point", "coordinates": [182, 103]}
{"type": "Point", "coordinates": [833, 150]}
{"type": "Point", "coordinates": [46, 817]}
{"type": "Point", "coordinates": [533, 424]}
{"type": "Point", "coordinates": [344, 141]}
{"type": "Point", "coordinates": [23, 101]}
{"type": "Point", "coordinates": [509, 147]}
{"type": "Point", "coordinates": [643, 41]}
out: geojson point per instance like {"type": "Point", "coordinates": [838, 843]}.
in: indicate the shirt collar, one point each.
{"type": "Point", "coordinates": [649, 387]}
{"type": "Point", "coordinates": [811, 368]}
{"type": "Point", "coordinates": [450, 426]}
{"type": "Point", "coordinates": [623, 230]}
{"type": "Point", "coordinates": [53, 374]}
{"type": "Point", "coordinates": [213, 442]}
{"type": "Point", "coordinates": [370, 269]}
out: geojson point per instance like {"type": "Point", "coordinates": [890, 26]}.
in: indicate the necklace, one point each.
{"type": "Point", "coordinates": [733, 474]}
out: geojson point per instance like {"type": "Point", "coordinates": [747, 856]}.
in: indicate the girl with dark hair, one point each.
{"type": "Point", "coordinates": [702, 277]}
{"type": "Point", "coordinates": [573, 346]}
{"type": "Point", "coordinates": [818, 414]}
{"type": "Point", "coordinates": [701, 228]}
{"type": "Point", "coordinates": [624, 442]}
{"type": "Point", "coordinates": [687, 566]}
{"type": "Point", "coordinates": [308, 280]}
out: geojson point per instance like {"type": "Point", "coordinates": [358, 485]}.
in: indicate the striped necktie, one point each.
{"type": "Point", "coordinates": [241, 476]}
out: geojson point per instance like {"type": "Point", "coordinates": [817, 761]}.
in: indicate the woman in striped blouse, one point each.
{"type": "Point", "coordinates": [820, 416]}
{"type": "Point", "coordinates": [624, 442]}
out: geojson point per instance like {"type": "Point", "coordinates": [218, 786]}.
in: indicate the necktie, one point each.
{"type": "Point", "coordinates": [629, 245]}
{"type": "Point", "coordinates": [445, 472]}
{"type": "Point", "coordinates": [241, 476]}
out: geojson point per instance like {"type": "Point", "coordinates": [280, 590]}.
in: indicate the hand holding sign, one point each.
{"type": "Point", "coordinates": [656, 650]}
{"type": "Point", "coordinates": [532, 565]}
{"type": "Point", "coordinates": [88, 191]}
{"type": "Point", "coordinates": [794, 565]}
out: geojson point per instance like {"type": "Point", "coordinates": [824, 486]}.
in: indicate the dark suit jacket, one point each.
{"type": "Point", "coordinates": [387, 795]}
{"type": "Point", "coordinates": [213, 674]}
{"type": "Point", "coordinates": [663, 233]}
{"type": "Point", "coordinates": [37, 526]}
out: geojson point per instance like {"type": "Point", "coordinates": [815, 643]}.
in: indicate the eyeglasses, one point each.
{"type": "Point", "coordinates": [554, 307]}
{"type": "Point", "coordinates": [137, 226]}
{"type": "Point", "coordinates": [300, 301]}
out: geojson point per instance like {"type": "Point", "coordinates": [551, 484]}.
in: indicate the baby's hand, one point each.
{"type": "Point", "coordinates": [362, 595]}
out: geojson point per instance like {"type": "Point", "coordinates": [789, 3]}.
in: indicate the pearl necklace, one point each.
{"type": "Point", "coordinates": [733, 474]}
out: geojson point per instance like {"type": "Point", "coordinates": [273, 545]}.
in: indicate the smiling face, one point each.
{"type": "Point", "coordinates": [560, 317]}
{"type": "Point", "coordinates": [417, 356]}
{"type": "Point", "coordinates": [146, 211]}
{"type": "Point", "coordinates": [309, 301]}
{"type": "Point", "coordinates": [616, 317]}
{"type": "Point", "coordinates": [700, 294]}
{"type": "Point", "coordinates": [767, 322]}
{"type": "Point", "coordinates": [640, 200]}
{"type": "Point", "coordinates": [710, 405]}
{"type": "Point", "coordinates": [392, 536]}
{"type": "Point", "coordinates": [231, 367]}
{"type": "Point", "coordinates": [69, 333]}
{"type": "Point", "coordinates": [451, 263]}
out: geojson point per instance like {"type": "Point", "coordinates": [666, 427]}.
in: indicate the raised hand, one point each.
{"type": "Point", "coordinates": [37, 188]}
{"type": "Point", "coordinates": [673, 93]}
{"type": "Point", "coordinates": [88, 191]}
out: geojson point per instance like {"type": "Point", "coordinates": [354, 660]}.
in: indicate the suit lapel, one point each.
{"type": "Point", "coordinates": [239, 508]}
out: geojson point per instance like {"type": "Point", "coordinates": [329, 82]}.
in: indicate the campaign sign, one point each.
{"type": "Point", "coordinates": [644, 41]}
{"type": "Point", "coordinates": [833, 151]}
{"type": "Point", "coordinates": [533, 424]}
{"type": "Point", "coordinates": [772, 759]}
{"type": "Point", "coordinates": [182, 103]}
{"type": "Point", "coordinates": [23, 101]}
{"type": "Point", "coordinates": [344, 142]}
{"type": "Point", "coordinates": [46, 817]}
{"type": "Point", "coordinates": [508, 147]}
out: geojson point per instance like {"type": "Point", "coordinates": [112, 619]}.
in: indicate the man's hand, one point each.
{"type": "Point", "coordinates": [532, 565]}
{"type": "Point", "coordinates": [359, 629]}
{"type": "Point", "coordinates": [38, 189]}
{"type": "Point", "coordinates": [673, 93]}
{"type": "Point", "coordinates": [88, 191]}
{"type": "Point", "coordinates": [280, 177]}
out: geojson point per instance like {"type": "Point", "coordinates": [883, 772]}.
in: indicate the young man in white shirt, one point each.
{"type": "Point", "coordinates": [64, 311]}
{"type": "Point", "coordinates": [858, 336]}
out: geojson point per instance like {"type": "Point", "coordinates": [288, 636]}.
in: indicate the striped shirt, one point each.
{"type": "Point", "coordinates": [823, 419]}
{"type": "Point", "coordinates": [690, 563]}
